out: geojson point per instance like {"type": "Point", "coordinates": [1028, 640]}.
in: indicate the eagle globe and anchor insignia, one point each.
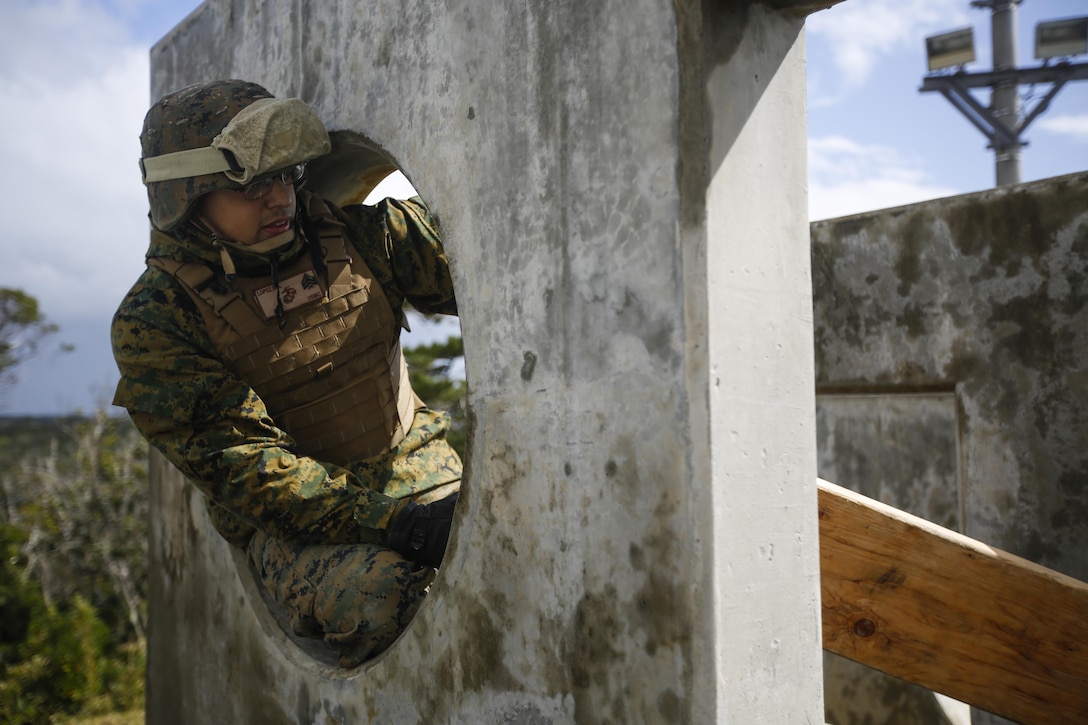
{"type": "Point", "coordinates": [296, 291]}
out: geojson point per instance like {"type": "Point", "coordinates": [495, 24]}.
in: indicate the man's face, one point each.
{"type": "Point", "coordinates": [233, 217]}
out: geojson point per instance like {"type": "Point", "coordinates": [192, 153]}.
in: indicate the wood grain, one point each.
{"type": "Point", "coordinates": [934, 607]}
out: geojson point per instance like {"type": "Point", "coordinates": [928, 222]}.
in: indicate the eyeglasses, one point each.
{"type": "Point", "coordinates": [260, 188]}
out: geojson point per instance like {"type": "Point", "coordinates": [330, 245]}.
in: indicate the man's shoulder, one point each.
{"type": "Point", "coordinates": [156, 300]}
{"type": "Point", "coordinates": [153, 285]}
{"type": "Point", "coordinates": [372, 216]}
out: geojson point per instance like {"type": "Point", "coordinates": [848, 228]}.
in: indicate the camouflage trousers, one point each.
{"type": "Point", "coordinates": [358, 597]}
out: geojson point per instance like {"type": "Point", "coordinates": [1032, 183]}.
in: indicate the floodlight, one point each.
{"type": "Point", "coordinates": [1057, 38]}
{"type": "Point", "coordinates": [951, 49]}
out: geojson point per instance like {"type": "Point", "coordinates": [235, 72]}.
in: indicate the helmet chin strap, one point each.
{"type": "Point", "coordinates": [268, 245]}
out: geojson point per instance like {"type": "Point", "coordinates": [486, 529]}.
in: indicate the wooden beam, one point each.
{"type": "Point", "coordinates": [934, 607]}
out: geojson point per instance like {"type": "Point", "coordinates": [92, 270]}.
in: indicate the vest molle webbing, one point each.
{"type": "Point", "coordinates": [333, 376]}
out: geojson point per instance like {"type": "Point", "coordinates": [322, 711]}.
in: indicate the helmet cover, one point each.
{"type": "Point", "coordinates": [226, 133]}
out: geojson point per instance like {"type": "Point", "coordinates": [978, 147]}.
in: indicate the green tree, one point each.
{"type": "Point", "coordinates": [60, 660]}
{"type": "Point", "coordinates": [430, 368]}
{"type": "Point", "coordinates": [20, 599]}
{"type": "Point", "coordinates": [82, 502]}
{"type": "Point", "coordinates": [22, 328]}
{"type": "Point", "coordinates": [73, 531]}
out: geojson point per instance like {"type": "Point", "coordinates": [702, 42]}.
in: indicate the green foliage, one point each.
{"type": "Point", "coordinates": [23, 437]}
{"type": "Point", "coordinates": [58, 669]}
{"type": "Point", "coordinates": [430, 369]}
{"type": "Point", "coordinates": [22, 328]}
{"type": "Point", "coordinates": [69, 664]}
{"type": "Point", "coordinates": [56, 660]}
{"type": "Point", "coordinates": [83, 503]}
{"type": "Point", "coordinates": [73, 531]}
{"type": "Point", "coordinates": [19, 598]}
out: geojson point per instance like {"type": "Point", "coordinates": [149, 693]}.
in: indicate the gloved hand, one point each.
{"type": "Point", "coordinates": [420, 532]}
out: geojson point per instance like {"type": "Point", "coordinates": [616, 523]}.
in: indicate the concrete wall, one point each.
{"type": "Point", "coordinates": [981, 297]}
{"type": "Point", "coordinates": [621, 185]}
{"type": "Point", "coordinates": [952, 366]}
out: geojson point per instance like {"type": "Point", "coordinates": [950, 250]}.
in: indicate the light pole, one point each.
{"type": "Point", "coordinates": [1005, 97]}
{"type": "Point", "coordinates": [1003, 122]}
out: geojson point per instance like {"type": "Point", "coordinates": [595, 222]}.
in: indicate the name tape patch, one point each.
{"type": "Point", "coordinates": [296, 291]}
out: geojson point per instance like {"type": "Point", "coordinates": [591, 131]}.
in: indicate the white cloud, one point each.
{"type": "Point", "coordinates": [858, 34]}
{"type": "Point", "coordinates": [72, 98]}
{"type": "Point", "coordinates": [846, 177]}
{"type": "Point", "coordinates": [1075, 125]}
{"type": "Point", "coordinates": [56, 43]}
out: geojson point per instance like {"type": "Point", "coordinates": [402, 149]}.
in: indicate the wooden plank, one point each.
{"type": "Point", "coordinates": [934, 607]}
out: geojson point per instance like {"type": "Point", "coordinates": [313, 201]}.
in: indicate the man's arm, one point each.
{"type": "Point", "coordinates": [401, 243]}
{"type": "Point", "coordinates": [217, 431]}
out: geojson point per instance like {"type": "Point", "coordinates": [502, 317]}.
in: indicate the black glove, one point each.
{"type": "Point", "coordinates": [420, 532]}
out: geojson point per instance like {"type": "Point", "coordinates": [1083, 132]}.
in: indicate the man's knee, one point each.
{"type": "Point", "coordinates": [358, 597]}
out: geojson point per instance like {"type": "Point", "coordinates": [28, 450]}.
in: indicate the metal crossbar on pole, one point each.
{"type": "Point", "coordinates": [1003, 121]}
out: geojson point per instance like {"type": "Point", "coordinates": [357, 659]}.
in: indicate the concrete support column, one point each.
{"type": "Point", "coordinates": [761, 404]}
{"type": "Point", "coordinates": [622, 189]}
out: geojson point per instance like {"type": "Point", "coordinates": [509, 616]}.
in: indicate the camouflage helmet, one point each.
{"type": "Point", "coordinates": [220, 135]}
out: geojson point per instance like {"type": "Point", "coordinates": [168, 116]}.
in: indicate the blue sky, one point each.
{"type": "Point", "coordinates": [875, 141]}
{"type": "Point", "coordinates": [74, 89]}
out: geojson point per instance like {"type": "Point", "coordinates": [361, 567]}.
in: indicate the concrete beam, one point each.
{"type": "Point", "coordinates": [801, 7]}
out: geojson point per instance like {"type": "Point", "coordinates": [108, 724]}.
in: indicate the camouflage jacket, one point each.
{"type": "Point", "coordinates": [215, 429]}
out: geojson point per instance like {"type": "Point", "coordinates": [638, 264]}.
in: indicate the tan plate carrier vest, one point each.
{"type": "Point", "coordinates": [333, 376]}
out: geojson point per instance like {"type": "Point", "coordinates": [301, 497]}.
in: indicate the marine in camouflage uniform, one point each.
{"type": "Point", "coordinates": [343, 506]}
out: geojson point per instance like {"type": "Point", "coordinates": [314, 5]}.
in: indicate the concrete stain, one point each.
{"type": "Point", "coordinates": [303, 712]}
{"type": "Point", "coordinates": [966, 362]}
{"type": "Point", "coordinates": [1009, 228]}
{"type": "Point", "coordinates": [656, 332]}
{"type": "Point", "coordinates": [1034, 343]}
{"type": "Point", "coordinates": [528, 365]}
{"type": "Point", "coordinates": [909, 372]}
{"type": "Point", "coordinates": [692, 170]}
{"type": "Point", "coordinates": [523, 714]}
{"type": "Point", "coordinates": [483, 665]}
{"type": "Point", "coordinates": [670, 707]}
{"type": "Point", "coordinates": [661, 615]}
{"type": "Point", "coordinates": [914, 239]}
{"type": "Point", "coordinates": [597, 630]}
{"type": "Point", "coordinates": [1042, 548]}
{"type": "Point", "coordinates": [1073, 514]}
{"type": "Point", "coordinates": [913, 319]}
{"type": "Point", "coordinates": [838, 303]}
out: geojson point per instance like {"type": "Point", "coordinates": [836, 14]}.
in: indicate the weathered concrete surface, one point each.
{"type": "Point", "coordinates": [960, 326]}
{"type": "Point", "coordinates": [621, 184]}
{"type": "Point", "coordinates": [902, 448]}
{"type": "Point", "coordinates": [983, 295]}
{"type": "Point", "coordinates": [859, 695]}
